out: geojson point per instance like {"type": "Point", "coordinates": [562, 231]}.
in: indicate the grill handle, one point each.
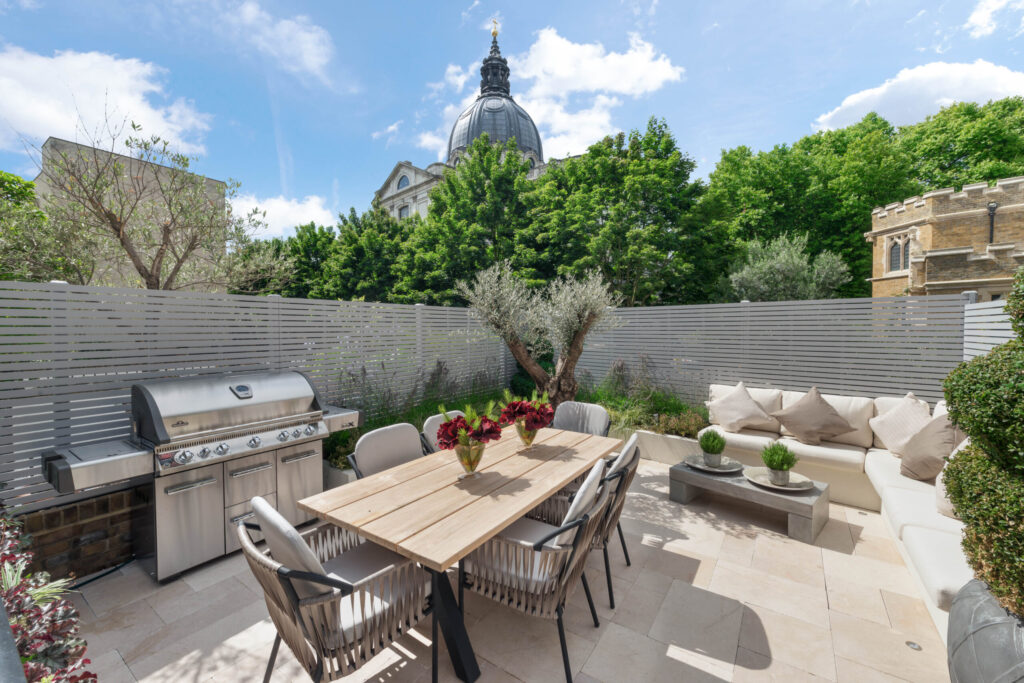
{"type": "Point", "coordinates": [181, 488]}
{"type": "Point", "coordinates": [239, 518]}
{"type": "Point", "coordinates": [251, 470]}
{"type": "Point", "coordinates": [298, 456]}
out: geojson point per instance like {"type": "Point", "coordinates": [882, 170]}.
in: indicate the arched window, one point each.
{"type": "Point", "coordinates": [532, 164]}
{"type": "Point", "coordinates": [906, 254]}
{"type": "Point", "coordinates": [403, 182]}
{"type": "Point", "coordinates": [894, 256]}
{"type": "Point", "coordinates": [403, 212]}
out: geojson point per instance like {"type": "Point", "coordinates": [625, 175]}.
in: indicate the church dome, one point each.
{"type": "Point", "coordinates": [495, 112]}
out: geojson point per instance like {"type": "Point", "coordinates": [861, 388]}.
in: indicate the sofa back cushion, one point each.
{"type": "Point", "coordinates": [898, 425]}
{"type": "Point", "coordinates": [856, 410]}
{"type": "Point", "coordinates": [884, 404]}
{"type": "Point", "coordinates": [769, 399]}
{"type": "Point", "coordinates": [736, 410]}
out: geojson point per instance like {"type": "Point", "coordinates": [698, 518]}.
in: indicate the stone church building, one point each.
{"type": "Point", "coordinates": [407, 188]}
{"type": "Point", "coordinates": [946, 242]}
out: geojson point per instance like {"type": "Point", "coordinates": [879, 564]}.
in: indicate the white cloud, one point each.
{"type": "Point", "coordinates": [282, 214]}
{"type": "Point", "coordinates": [45, 95]}
{"type": "Point", "coordinates": [390, 133]}
{"type": "Point", "coordinates": [915, 93]}
{"type": "Point", "coordinates": [982, 20]}
{"type": "Point", "coordinates": [433, 142]}
{"type": "Point", "coordinates": [456, 77]}
{"type": "Point", "coordinates": [297, 44]}
{"type": "Point", "coordinates": [469, 10]}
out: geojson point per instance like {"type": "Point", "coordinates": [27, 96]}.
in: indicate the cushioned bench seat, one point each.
{"type": "Point", "coordinates": [938, 562]}
{"type": "Point", "coordinates": [903, 508]}
{"type": "Point", "coordinates": [883, 469]}
{"type": "Point", "coordinates": [838, 455]}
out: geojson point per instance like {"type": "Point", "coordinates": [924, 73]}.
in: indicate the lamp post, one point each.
{"type": "Point", "coordinates": [992, 206]}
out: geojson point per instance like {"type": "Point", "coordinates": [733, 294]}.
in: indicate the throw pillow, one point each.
{"type": "Point", "coordinates": [896, 426]}
{"type": "Point", "coordinates": [812, 419]}
{"type": "Point", "coordinates": [924, 454]}
{"type": "Point", "coordinates": [736, 410]}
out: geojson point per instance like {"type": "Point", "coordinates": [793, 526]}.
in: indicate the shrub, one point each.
{"type": "Point", "coordinates": [1015, 303]}
{"type": "Point", "coordinates": [990, 501]}
{"type": "Point", "coordinates": [777, 457]}
{"type": "Point", "coordinates": [712, 442]}
{"type": "Point", "coordinates": [687, 424]}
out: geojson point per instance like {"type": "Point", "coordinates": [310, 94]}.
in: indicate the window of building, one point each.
{"type": "Point", "coordinates": [894, 256]}
{"type": "Point", "coordinates": [906, 254]}
{"type": "Point", "coordinates": [897, 252]}
{"type": "Point", "coordinates": [403, 212]}
{"type": "Point", "coordinates": [403, 182]}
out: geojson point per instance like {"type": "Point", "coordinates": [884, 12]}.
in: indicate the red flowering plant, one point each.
{"type": "Point", "coordinates": [528, 416]}
{"type": "Point", "coordinates": [467, 434]}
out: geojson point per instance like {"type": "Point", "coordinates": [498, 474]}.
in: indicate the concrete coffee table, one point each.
{"type": "Point", "coordinates": [807, 511]}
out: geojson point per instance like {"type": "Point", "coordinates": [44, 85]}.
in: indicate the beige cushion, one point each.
{"type": "Point", "coordinates": [958, 435]}
{"type": "Point", "coordinates": [938, 561]}
{"type": "Point", "coordinates": [896, 426]}
{"type": "Point", "coordinates": [811, 419]}
{"type": "Point", "coordinates": [745, 439]}
{"type": "Point", "coordinates": [769, 399]}
{"type": "Point", "coordinates": [838, 455]}
{"type": "Point", "coordinates": [925, 454]}
{"type": "Point", "coordinates": [904, 508]}
{"type": "Point", "coordinates": [883, 469]}
{"type": "Point", "coordinates": [362, 563]}
{"type": "Point", "coordinates": [288, 547]}
{"type": "Point", "coordinates": [886, 403]}
{"type": "Point", "coordinates": [856, 410]}
{"type": "Point", "coordinates": [736, 410]}
{"type": "Point", "coordinates": [582, 502]}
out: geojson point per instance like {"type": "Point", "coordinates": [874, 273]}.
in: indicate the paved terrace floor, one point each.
{"type": "Point", "coordinates": [717, 592]}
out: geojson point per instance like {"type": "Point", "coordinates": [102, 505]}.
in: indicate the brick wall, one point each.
{"type": "Point", "coordinates": [82, 537]}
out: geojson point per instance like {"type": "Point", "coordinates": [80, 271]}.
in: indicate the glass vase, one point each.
{"type": "Point", "coordinates": [525, 435]}
{"type": "Point", "coordinates": [469, 457]}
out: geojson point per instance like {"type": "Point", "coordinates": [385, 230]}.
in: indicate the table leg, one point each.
{"type": "Point", "coordinates": [449, 618]}
{"type": "Point", "coordinates": [681, 492]}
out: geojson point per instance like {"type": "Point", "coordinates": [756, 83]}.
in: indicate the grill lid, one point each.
{"type": "Point", "coordinates": [175, 410]}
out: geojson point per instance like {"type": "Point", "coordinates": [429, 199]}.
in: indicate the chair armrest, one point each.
{"type": "Point", "coordinates": [296, 575]}
{"type": "Point", "coordinates": [539, 545]}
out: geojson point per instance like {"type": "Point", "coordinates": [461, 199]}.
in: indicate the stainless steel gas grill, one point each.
{"type": "Point", "coordinates": [209, 444]}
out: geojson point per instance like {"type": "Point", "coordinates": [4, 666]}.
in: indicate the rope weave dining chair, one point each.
{"type": "Point", "coordinates": [385, 448]}
{"type": "Point", "coordinates": [588, 418]}
{"type": "Point", "coordinates": [334, 615]}
{"type": "Point", "coordinates": [534, 567]}
{"type": "Point", "coordinates": [429, 434]}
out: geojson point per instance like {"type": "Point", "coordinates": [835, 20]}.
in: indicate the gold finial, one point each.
{"type": "Point", "coordinates": [494, 29]}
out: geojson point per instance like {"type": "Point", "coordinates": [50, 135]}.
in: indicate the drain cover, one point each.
{"type": "Point", "coordinates": [913, 646]}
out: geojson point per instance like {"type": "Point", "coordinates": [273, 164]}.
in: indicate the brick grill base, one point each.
{"type": "Point", "coordinates": [83, 537]}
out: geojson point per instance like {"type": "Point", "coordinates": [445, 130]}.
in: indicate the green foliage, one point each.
{"type": "Point", "coordinates": [310, 249]}
{"type": "Point", "coordinates": [712, 442]}
{"type": "Point", "coordinates": [15, 190]}
{"type": "Point", "coordinates": [990, 501]}
{"type": "Point", "coordinates": [781, 270]}
{"type": "Point", "coordinates": [986, 400]}
{"type": "Point", "coordinates": [777, 456]}
{"type": "Point", "coordinates": [1015, 303]}
{"type": "Point", "coordinates": [31, 248]}
{"type": "Point", "coordinates": [687, 423]}
{"type": "Point", "coordinates": [361, 263]}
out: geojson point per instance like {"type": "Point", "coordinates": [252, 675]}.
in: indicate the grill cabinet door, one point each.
{"type": "Point", "coordinates": [242, 513]}
{"type": "Point", "coordinates": [250, 476]}
{"type": "Point", "coordinates": [300, 473]}
{"type": "Point", "coordinates": [189, 518]}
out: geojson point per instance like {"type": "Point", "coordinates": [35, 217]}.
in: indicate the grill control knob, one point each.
{"type": "Point", "coordinates": [255, 441]}
{"type": "Point", "coordinates": [204, 452]}
{"type": "Point", "coordinates": [222, 448]}
{"type": "Point", "coordinates": [297, 433]}
{"type": "Point", "coordinates": [184, 457]}
{"type": "Point", "coordinates": [310, 430]}
{"type": "Point", "coordinates": [283, 436]}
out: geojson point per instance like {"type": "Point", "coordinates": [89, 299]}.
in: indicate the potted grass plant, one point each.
{"type": "Point", "coordinates": [712, 444]}
{"type": "Point", "coordinates": [779, 460]}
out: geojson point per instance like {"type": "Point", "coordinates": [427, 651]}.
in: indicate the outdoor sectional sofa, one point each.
{"type": "Point", "coordinates": [862, 473]}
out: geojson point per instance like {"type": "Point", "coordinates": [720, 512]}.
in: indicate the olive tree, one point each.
{"type": "Point", "coordinates": [782, 270]}
{"type": "Point", "coordinates": [536, 321]}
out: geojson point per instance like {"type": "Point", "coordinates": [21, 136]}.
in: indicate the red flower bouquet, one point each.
{"type": "Point", "coordinates": [527, 416]}
{"type": "Point", "coordinates": [467, 435]}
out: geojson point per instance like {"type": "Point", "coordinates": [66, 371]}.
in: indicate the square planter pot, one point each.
{"type": "Point", "coordinates": [666, 448]}
{"type": "Point", "coordinates": [334, 477]}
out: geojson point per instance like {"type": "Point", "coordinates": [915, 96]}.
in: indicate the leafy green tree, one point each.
{"type": "Point", "coordinates": [782, 270]}
{"type": "Point", "coordinates": [362, 260]}
{"type": "Point", "coordinates": [475, 213]}
{"type": "Point", "coordinates": [309, 249]}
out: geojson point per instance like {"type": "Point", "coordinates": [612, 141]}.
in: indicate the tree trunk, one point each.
{"type": "Point", "coordinates": [561, 388]}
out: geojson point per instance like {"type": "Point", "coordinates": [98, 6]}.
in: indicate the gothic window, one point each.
{"type": "Point", "coordinates": [898, 252]}
{"type": "Point", "coordinates": [894, 256]}
{"type": "Point", "coordinates": [906, 254]}
{"type": "Point", "coordinates": [403, 182]}
{"type": "Point", "coordinates": [404, 211]}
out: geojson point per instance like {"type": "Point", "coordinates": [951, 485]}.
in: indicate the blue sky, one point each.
{"type": "Point", "coordinates": [310, 105]}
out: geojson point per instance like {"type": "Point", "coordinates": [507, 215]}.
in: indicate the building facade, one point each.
{"type": "Point", "coordinates": [946, 242]}
{"type": "Point", "coordinates": [407, 188]}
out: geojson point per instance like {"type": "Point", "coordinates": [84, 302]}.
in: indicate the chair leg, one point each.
{"type": "Point", "coordinates": [590, 600]}
{"type": "Point", "coordinates": [565, 648]}
{"type": "Point", "coordinates": [622, 540]}
{"type": "Point", "coordinates": [608, 576]}
{"type": "Point", "coordinates": [273, 658]}
{"type": "Point", "coordinates": [433, 647]}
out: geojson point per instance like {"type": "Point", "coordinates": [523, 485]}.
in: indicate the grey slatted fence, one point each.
{"type": "Point", "coordinates": [69, 355]}
{"type": "Point", "coordinates": [986, 325]}
{"type": "Point", "coordinates": [867, 347]}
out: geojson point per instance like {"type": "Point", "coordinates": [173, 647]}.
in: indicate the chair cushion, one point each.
{"type": "Point", "coordinates": [588, 418]}
{"type": "Point", "coordinates": [939, 563]}
{"type": "Point", "coordinates": [903, 508]}
{"type": "Point", "coordinates": [736, 410]}
{"type": "Point", "coordinates": [897, 425]}
{"type": "Point", "coordinates": [746, 439]}
{"type": "Point", "coordinates": [362, 563]}
{"type": "Point", "coordinates": [924, 455]}
{"type": "Point", "coordinates": [625, 456]}
{"type": "Point", "coordinates": [288, 547]}
{"type": "Point", "coordinates": [841, 456]}
{"type": "Point", "coordinates": [770, 400]}
{"type": "Point", "coordinates": [811, 419]}
{"type": "Point", "coordinates": [883, 469]}
{"type": "Point", "coordinates": [582, 501]}
{"type": "Point", "coordinates": [431, 424]}
{"type": "Point", "coordinates": [885, 403]}
{"type": "Point", "coordinates": [525, 531]}
{"type": "Point", "coordinates": [387, 447]}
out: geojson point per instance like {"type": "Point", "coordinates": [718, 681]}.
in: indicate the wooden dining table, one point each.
{"type": "Point", "coordinates": [423, 510]}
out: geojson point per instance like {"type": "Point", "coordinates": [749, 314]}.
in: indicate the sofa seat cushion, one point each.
{"type": "Point", "coordinates": [904, 508]}
{"type": "Point", "coordinates": [769, 399]}
{"type": "Point", "coordinates": [883, 469]}
{"type": "Point", "coordinates": [753, 440]}
{"type": "Point", "coordinates": [938, 561]}
{"type": "Point", "coordinates": [856, 410]}
{"type": "Point", "coordinates": [837, 455]}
